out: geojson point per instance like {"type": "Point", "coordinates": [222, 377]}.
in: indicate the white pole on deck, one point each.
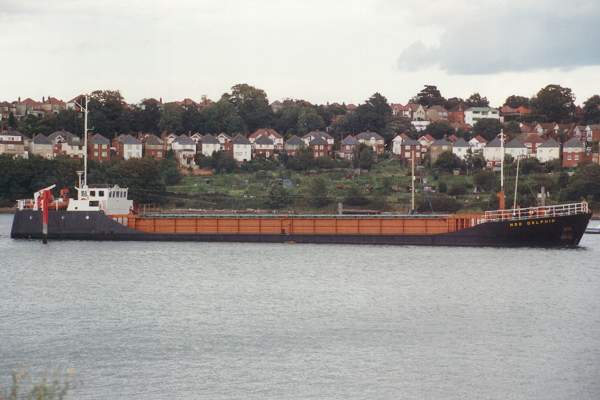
{"type": "Point", "coordinates": [502, 160]}
{"type": "Point", "coordinates": [516, 183]}
{"type": "Point", "coordinates": [412, 187]}
{"type": "Point", "coordinates": [85, 145]}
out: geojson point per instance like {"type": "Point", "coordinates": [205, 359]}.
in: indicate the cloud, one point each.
{"type": "Point", "coordinates": [516, 36]}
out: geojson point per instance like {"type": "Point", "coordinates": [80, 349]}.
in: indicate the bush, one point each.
{"type": "Point", "coordinates": [442, 187]}
{"type": "Point", "coordinates": [278, 197]}
{"type": "Point", "coordinates": [447, 162]}
{"type": "Point", "coordinates": [438, 203]}
{"type": "Point", "coordinates": [485, 180]}
{"type": "Point", "coordinates": [457, 189]}
{"type": "Point", "coordinates": [317, 193]}
{"type": "Point", "coordinates": [355, 197]}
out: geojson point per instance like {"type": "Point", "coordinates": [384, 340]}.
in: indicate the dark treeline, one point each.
{"type": "Point", "coordinates": [146, 178]}
{"type": "Point", "coordinates": [246, 108]}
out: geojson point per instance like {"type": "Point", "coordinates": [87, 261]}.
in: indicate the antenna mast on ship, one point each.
{"type": "Point", "coordinates": [83, 184]}
{"type": "Point", "coordinates": [501, 198]}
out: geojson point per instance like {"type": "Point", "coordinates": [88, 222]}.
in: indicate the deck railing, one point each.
{"type": "Point", "coordinates": [516, 214]}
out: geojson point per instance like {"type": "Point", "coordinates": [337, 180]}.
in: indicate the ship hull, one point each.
{"type": "Point", "coordinates": [561, 231]}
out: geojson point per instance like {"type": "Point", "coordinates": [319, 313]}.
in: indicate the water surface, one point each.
{"type": "Point", "coordinates": [272, 321]}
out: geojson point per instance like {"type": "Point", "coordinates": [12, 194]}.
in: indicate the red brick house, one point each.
{"type": "Point", "coordinates": [408, 148]}
{"type": "Point", "coordinates": [271, 134]}
{"type": "Point", "coordinates": [154, 147]}
{"type": "Point", "coordinates": [263, 147]}
{"type": "Point", "coordinates": [99, 148]}
{"type": "Point", "coordinates": [348, 147]}
{"type": "Point", "coordinates": [319, 147]}
{"type": "Point", "coordinates": [573, 153]}
{"type": "Point", "coordinates": [293, 146]}
{"type": "Point", "coordinates": [327, 138]}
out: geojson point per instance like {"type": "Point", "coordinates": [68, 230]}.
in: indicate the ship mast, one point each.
{"type": "Point", "coordinates": [412, 186]}
{"type": "Point", "coordinates": [501, 198]}
{"type": "Point", "coordinates": [85, 139]}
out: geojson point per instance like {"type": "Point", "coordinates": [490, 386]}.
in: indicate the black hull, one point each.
{"type": "Point", "coordinates": [564, 231]}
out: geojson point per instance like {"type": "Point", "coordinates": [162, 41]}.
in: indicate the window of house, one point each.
{"type": "Point", "coordinates": [92, 193]}
{"type": "Point", "coordinates": [101, 193]}
{"type": "Point", "coordinates": [576, 157]}
{"type": "Point", "coordinates": [569, 156]}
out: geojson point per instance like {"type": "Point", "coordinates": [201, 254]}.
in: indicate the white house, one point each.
{"type": "Point", "coordinates": [492, 152]}
{"type": "Point", "coordinates": [129, 147]}
{"type": "Point", "coordinates": [461, 148]}
{"type": "Point", "coordinates": [420, 125]}
{"type": "Point", "coordinates": [397, 143]}
{"type": "Point", "coordinates": [474, 114]}
{"type": "Point", "coordinates": [42, 146]}
{"type": "Point", "coordinates": [548, 151]}
{"type": "Point", "coordinates": [477, 143]}
{"type": "Point", "coordinates": [418, 112]}
{"type": "Point", "coordinates": [184, 143]}
{"type": "Point", "coordinates": [210, 145]}
{"type": "Point", "coordinates": [242, 148]}
{"type": "Point", "coordinates": [67, 144]}
{"type": "Point", "coordinates": [515, 148]}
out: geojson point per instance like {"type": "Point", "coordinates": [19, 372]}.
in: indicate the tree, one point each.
{"type": "Point", "coordinates": [12, 121]}
{"type": "Point", "coordinates": [108, 113]}
{"type": "Point", "coordinates": [170, 118]}
{"type": "Point", "coordinates": [474, 161]}
{"type": "Point", "coordinates": [251, 105]}
{"type": "Point", "coordinates": [447, 162]}
{"type": "Point", "coordinates": [485, 180]}
{"type": "Point", "coordinates": [476, 100]}
{"type": "Point", "coordinates": [278, 197]}
{"type": "Point", "coordinates": [146, 118]}
{"type": "Point", "coordinates": [309, 120]}
{"type": "Point", "coordinates": [429, 96]}
{"type": "Point", "coordinates": [585, 183]}
{"type": "Point", "coordinates": [317, 193]}
{"type": "Point", "coordinates": [439, 129]}
{"type": "Point", "coordinates": [223, 162]}
{"type": "Point", "coordinates": [355, 197]}
{"type": "Point", "coordinates": [489, 128]}
{"type": "Point", "coordinates": [591, 110]}
{"type": "Point", "coordinates": [453, 102]}
{"type": "Point", "coordinates": [555, 102]}
{"type": "Point", "coordinates": [515, 101]}
{"type": "Point", "coordinates": [364, 157]}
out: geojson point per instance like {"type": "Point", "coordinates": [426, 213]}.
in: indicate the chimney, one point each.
{"type": "Point", "coordinates": [43, 99]}
{"type": "Point", "coordinates": [19, 99]}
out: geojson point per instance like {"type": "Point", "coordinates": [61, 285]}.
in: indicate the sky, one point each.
{"type": "Point", "coordinates": [318, 50]}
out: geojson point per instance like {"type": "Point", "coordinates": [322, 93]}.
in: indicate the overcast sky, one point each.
{"type": "Point", "coordinates": [318, 50]}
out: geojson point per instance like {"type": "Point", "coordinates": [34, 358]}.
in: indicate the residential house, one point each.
{"type": "Point", "coordinates": [592, 133]}
{"type": "Point", "coordinates": [154, 147]}
{"type": "Point", "coordinates": [580, 132]}
{"type": "Point", "coordinates": [426, 141]}
{"type": "Point", "coordinates": [532, 141]}
{"type": "Point", "coordinates": [67, 144]}
{"type": "Point", "coordinates": [329, 140]}
{"type": "Point", "coordinates": [409, 148]}
{"type": "Point", "coordinates": [168, 139]}
{"type": "Point", "coordinates": [293, 146]}
{"type": "Point", "coordinates": [420, 125]}
{"type": "Point", "coordinates": [264, 147]}
{"type": "Point", "coordinates": [319, 147]}
{"type": "Point", "coordinates": [348, 147]}
{"type": "Point", "coordinates": [12, 142]}
{"type": "Point", "coordinates": [516, 149]}
{"type": "Point", "coordinates": [225, 142]}
{"type": "Point", "coordinates": [210, 145]}
{"type": "Point", "coordinates": [197, 138]}
{"type": "Point", "coordinates": [457, 114]}
{"type": "Point", "coordinates": [98, 148]}
{"type": "Point", "coordinates": [452, 138]}
{"type": "Point", "coordinates": [510, 114]}
{"type": "Point", "coordinates": [242, 148]}
{"type": "Point", "coordinates": [438, 147]}
{"type": "Point", "coordinates": [548, 151]}
{"type": "Point", "coordinates": [373, 140]}
{"type": "Point", "coordinates": [271, 134]}
{"type": "Point", "coordinates": [436, 113]}
{"type": "Point", "coordinates": [573, 153]}
{"type": "Point", "coordinates": [461, 148]}
{"type": "Point", "coordinates": [184, 148]}
{"type": "Point", "coordinates": [398, 110]}
{"type": "Point", "coordinates": [42, 146]}
{"type": "Point", "coordinates": [417, 112]}
{"type": "Point", "coordinates": [474, 114]}
{"type": "Point", "coordinates": [477, 143]}
{"type": "Point", "coordinates": [127, 147]}
{"type": "Point", "coordinates": [397, 143]}
{"type": "Point", "coordinates": [492, 152]}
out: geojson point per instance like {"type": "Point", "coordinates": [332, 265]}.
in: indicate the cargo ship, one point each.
{"type": "Point", "coordinates": [106, 213]}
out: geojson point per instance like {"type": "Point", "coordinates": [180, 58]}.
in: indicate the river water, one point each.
{"type": "Point", "coordinates": [261, 321]}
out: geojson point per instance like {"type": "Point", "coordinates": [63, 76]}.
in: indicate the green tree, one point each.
{"type": "Point", "coordinates": [309, 120]}
{"type": "Point", "coordinates": [439, 129]}
{"type": "Point", "coordinates": [278, 197]}
{"type": "Point", "coordinates": [223, 162]}
{"type": "Point", "coordinates": [591, 110]}
{"type": "Point", "coordinates": [12, 121]}
{"type": "Point", "coordinates": [585, 183]}
{"type": "Point", "coordinates": [170, 118]}
{"type": "Point", "coordinates": [447, 162]}
{"type": "Point", "coordinates": [515, 101]}
{"type": "Point", "coordinates": [109, 114]}
{"type": "Point", "coordinates": [364, 157]}
{"type": "Point", "coordinates": [476, 100]}
{"type": "Point", "coordinates": [555, 102]}
{"type": "Point", "coordinates": [488, 128]}
{"type": "Point", "coordinates": [485, 180]}
{"type": "Point", "coordinates": [146, 118]}
{"type": "Point", "coordinates": [251, 105]}
{"type": "Point", "coordinates": [355, 197]}
{"type": "Point", "coordinates": [429, 96]}
{"type": "Point", "coordinates": [317, 193]}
